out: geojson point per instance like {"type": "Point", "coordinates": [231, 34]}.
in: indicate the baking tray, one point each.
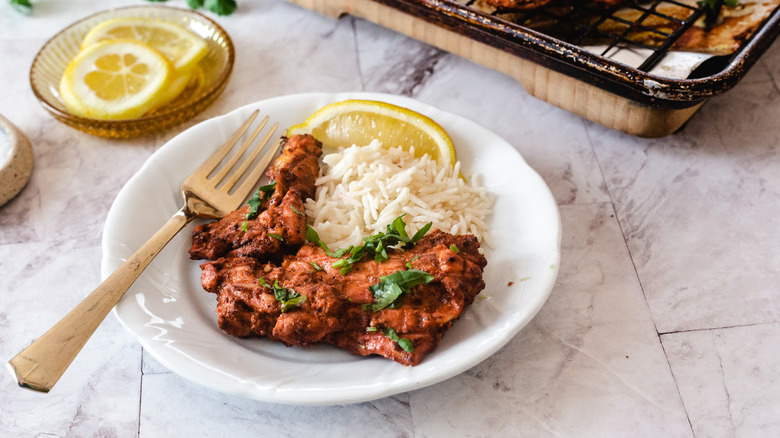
{"type": "Point", "coordinates": [633, 99]}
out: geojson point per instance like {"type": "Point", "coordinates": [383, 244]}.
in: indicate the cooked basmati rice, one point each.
{"type": "Point", "coordinates": [364, 188]}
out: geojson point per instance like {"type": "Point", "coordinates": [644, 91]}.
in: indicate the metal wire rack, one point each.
{"type": "Point", "coordinates": [654, 25]}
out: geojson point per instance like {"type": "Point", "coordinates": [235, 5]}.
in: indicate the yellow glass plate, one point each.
{"type": "Point", "coordinates": [210, 76]}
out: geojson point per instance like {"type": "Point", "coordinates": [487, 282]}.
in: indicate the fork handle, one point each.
{"type": "Point", "coordinates": [41, 365]}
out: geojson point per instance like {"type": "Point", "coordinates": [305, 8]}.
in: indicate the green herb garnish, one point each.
{"type": "Point", "coordinates": [404, 343]}
{"type": "Point", "coordinates": [288, 297]}
{"type": "Point", "coordinates": [295, 210]}
{"type": "Point", "coordinates": [21, 6]}
{"type": "Point", "coordinates": [244, 226]}
{"type": "Point", "coordinates": [316, 266]}
{"type": "Point", "coordinates": [370, 329]}
{"type": "Point", "coordinates": [257, 199]}
{"type": "Point", "coordinates": [391, 287]}
{"type": "Point", "coordinates": [277, 236]}
{"type": "Point", "coordinates": [373, 246]}
{"type": "Point", "coordinates": [454, 248]}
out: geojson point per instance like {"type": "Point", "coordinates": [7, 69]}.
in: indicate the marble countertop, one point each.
{"type": "Point", "coordinates": [665, 320]}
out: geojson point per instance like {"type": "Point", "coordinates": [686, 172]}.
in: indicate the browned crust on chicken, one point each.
{"type": "Point", "coordinates": [281, 225]}
{"type": "Point", "coordinates": [254, 259]}
{"type": "Point", "coordinates": [334, 310]}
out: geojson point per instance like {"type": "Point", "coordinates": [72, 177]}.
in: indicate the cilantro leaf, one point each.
{"type": "Point", "coordinates": [257, 199]}
{"type": "Point", "coordinates": [287, 297]}
{"type": "Point", "coordinates": [391, 287]}
{"type": "Point", "coordinates": [373, 246]}
{"type": "Point", "coordinates": [220, 7]}
{"type": "Point", "coordinates": [404, 343]}
{"type": "Point", "coordinates": [312, 236]}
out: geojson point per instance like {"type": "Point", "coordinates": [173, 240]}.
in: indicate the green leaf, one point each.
{"type": "Point", "coordinates": [316, 266]}
{"type": "Point", "coordinates": [312, 236]}
{"type": "Point", "coordinates": [244, 226]}
{"type": "Point", "coordinates": [277, 236]}
{"type": "Point", "coordinates": [421, 232]}
{"type": "Point", "coordinates": [400, 228]}
{"type": "Point", "coordinates": [256, 201]}
{"type": "Point", "coordinates": [220, 7]}
{"type": "Point", "coordinates": [21, 6]}
{"type": "Point", "coordinates": [391, 287]}
{"type": "Point", "coordinates": [287, 297]}
{"type": "Point", "coordinates": [195, 4]}
{"type": "Point", "coordinates": [373, 246]}
{"type": "Point", "coordinates": [406, 344]}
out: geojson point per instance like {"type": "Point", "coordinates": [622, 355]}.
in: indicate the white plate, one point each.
{"type": "Point", "coordinates": [175, 319]}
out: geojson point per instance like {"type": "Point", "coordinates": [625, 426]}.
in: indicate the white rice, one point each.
{"type": "Point", "coordinates": [363, 189]}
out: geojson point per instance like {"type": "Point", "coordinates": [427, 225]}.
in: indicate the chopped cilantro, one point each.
{"type": "Point", "coordinates": [295, 210]}
{"type": "Point", "coordinates": [373, 246]}
{"type": "Point", "coordinates": [277, 236]}
{"type": "Point", "coordinates": [288, 297]}
{"type": "Point", "coordinates": [257, 199]}
{"type": "Point", "coordinates": [391, 287]}
{"type": "Point", "coordinates": [404, 343]}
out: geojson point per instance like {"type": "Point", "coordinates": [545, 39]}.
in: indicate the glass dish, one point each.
{"type": "Point", "coordinates": [211, 77]}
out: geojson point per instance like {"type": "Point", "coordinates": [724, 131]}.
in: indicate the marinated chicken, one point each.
{"type": "Point", "coordinates": [280, 223]}
{"type": "Point", "coordinates": [269, 282]}
{"type": "Point", "coordinates": [337, 308]}
{"type": "Point", "coordinates": [523, 5]}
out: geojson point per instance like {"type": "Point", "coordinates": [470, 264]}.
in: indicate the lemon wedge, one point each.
{"type": "Point", "coordinates": [115, 80]}
{"type": "Point", "coordinates": [357, 122]}
{"type": "Point", "coordinates": [182, 47]}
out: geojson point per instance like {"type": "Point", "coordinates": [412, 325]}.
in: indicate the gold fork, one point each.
{"type": "Point", "coordinates": [40, 365]}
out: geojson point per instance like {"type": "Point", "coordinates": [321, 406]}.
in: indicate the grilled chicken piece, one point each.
{"type": "Point", "coordinates": [517, 5]}
{"type": "Point", "coordinates": [281, 224]}
{"type": "Point", "coordinates": [525, 5]}
{"type": "Point", "coordinates": [334, 310]}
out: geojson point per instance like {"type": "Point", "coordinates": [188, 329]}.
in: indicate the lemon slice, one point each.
{"type": "Point", "coordinates": [115, 80]}
{"type": "Point", "coordinates": [357, 122]}
{"type": "Point", "coordinates": [175, 87]}
{"type": "Point", "coordinates": [182, 47]}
